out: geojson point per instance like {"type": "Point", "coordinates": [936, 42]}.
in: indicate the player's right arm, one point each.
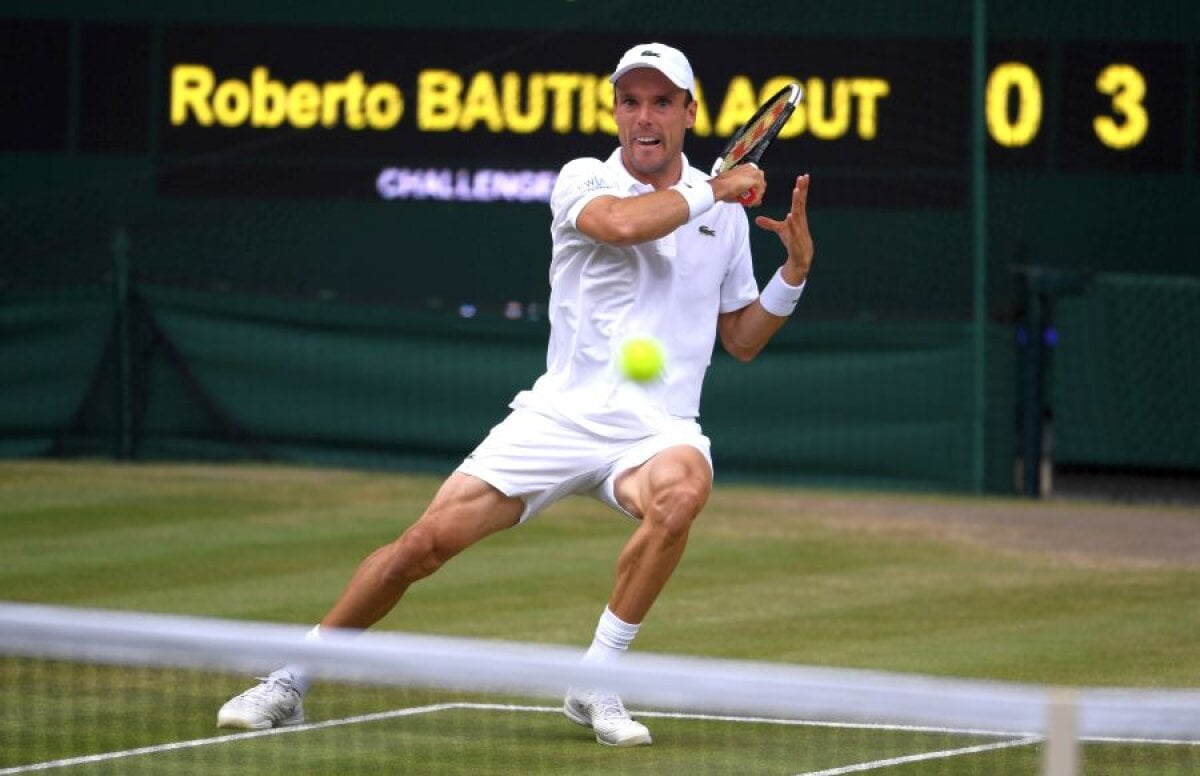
{"type": "Point", "coordinates": [633, 220]}
{"type": "Point", "coordinates": [617, 220]}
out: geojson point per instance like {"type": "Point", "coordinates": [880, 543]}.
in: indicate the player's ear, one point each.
{"type": "Point", "coordinates": [692, 105]}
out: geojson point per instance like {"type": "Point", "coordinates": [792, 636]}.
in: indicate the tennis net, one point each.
{"type": "Point", "coordinates": [96, 691]}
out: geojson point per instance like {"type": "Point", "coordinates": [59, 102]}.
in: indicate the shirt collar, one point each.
{"type": "Point", "coordinates": [633, 185]}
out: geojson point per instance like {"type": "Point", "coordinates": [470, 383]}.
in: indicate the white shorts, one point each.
{"type": "Point", "coordinates": [541, 460]}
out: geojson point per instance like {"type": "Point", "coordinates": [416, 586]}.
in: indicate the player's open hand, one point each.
{"type": "Point", "coordinates": [793, 233]}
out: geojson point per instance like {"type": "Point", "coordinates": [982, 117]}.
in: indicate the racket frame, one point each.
{"type": "Point", "coordinates": [790, 97]}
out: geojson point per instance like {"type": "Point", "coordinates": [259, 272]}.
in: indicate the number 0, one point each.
{"type": "Point", "coordinates": [1023, 128]}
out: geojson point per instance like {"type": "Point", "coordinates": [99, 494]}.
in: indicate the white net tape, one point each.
{"type": "Point", "coordinates": [662, 681]}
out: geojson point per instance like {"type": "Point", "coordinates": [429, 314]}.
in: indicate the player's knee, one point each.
{"type": "Point", "coordinates": [690, 496]}
{"type": "Point", "coordinates": [415, 555]}
{"type": "Point", "coordinates": [676, 507]}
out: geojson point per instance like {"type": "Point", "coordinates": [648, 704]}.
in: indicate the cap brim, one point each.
{"type": "Point", "coordinates": [642, 65]}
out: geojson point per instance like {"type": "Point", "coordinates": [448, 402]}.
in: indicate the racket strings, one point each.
{"type": "Point", "coordinates": [759, 130]}
{"type": "Point", "coordinates": [755, 132]}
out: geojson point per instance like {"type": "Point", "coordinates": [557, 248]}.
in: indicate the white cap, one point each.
{"type": "Point", "coordinates": [669, 61]}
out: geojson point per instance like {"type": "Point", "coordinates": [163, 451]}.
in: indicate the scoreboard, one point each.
{"type": "Point", "coordinates": [470, 100]}
{"type": "Point", "coordinates": [251, 144]}
{"type": "Point", "coordinates": [473, 114]}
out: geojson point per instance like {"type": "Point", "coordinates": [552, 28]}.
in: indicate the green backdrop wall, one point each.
{"type": "Point", "coordinates": [287, 304]}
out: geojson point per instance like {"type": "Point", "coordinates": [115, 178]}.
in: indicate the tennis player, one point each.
{"type": "Point", "coordinates": [643, 243]}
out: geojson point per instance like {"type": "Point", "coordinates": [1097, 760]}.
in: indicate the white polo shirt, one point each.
{"type": "Point", "coordinates": [672, 289]}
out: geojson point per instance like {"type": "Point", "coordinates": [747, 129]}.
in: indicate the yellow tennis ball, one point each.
{"type": "Point", "coordinates": [642, 359]}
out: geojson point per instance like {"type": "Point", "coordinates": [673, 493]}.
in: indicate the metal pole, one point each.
{"type": "Point", "coordinates": [1031, 422]}
{"type": "Point", "coordinates": [979, 241]}
{"type": "Point", "coordinates": [1060, 756]}
{"type": "Point", "coordinates": [123, 445]}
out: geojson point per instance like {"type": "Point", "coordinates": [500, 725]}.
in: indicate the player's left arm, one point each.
{"type": "Point", "coordinates": [745, 332]}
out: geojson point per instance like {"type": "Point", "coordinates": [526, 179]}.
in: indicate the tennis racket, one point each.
{"type": "Point", "coordinates": [750, 142]}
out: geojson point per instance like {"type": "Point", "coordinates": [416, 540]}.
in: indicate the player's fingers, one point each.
{"type": "Point", "coordinates": [792, 229]}
{"type": "Point", "coordinates": [800, 194]}
{"type": "Point", "coordinates": [800, 202]}
{"type": "Point", "coordinates": [770, 224]}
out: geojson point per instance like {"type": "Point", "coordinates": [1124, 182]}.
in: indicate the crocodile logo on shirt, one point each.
{"type": "Point", "coordinates": [708, 231]}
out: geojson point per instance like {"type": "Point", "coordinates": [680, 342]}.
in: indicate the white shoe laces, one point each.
{"type": "Point", "coordinates": [608, 707]}
{"type": "Point", "coordinates": [266, 695]}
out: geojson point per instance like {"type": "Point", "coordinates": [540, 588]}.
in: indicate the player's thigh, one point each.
{"type": "Point", "coordinates": [677, 481]}
{"type": "Point", "coordinates": [464, 510]}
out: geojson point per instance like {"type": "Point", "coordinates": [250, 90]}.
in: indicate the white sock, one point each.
{"type": "Point", "coordinates": [612, 639]}
{"type": "Point", "coordinates": [297, 673]}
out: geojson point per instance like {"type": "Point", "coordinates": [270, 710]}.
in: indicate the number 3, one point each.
{"type": "Point", "coordinates": [1127, 86]}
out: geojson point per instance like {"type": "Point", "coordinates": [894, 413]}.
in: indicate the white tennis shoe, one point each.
{"type": "Point", "coordinates": [274, 703]}
{"type": "Point", "coordinates": [604, 713]}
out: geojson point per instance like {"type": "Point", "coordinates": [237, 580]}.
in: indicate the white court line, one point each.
{"type": "Point", "coordinates": [838, 725]}
{"type": "Point", "coordinates": [412, 711]}
{"type": "Point", "coordinates": [916, 758]}
{"type": "Point", "coordinates": [198, 742]}
{"type": "Point", "coordinates": [1149, 741]}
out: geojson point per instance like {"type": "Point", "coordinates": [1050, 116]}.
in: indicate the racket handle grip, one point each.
{"type": "Point", "coordinates": [750, 194]}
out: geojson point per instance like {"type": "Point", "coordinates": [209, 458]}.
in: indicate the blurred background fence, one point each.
{"type": "Point", "coordinates": [319, 233]}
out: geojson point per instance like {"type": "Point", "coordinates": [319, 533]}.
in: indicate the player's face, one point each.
{"type": "Point", "coordinates": [652, 117]}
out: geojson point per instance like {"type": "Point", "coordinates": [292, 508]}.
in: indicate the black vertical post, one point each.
{"type": "Point", "coordinates": [1042, 288]}
{"type": "Point", "coordinates": [1032, 406]}
{"type": "Point", "coordinates": [979, 244]}
{"type": "Point", "coordinates": [123, 437]}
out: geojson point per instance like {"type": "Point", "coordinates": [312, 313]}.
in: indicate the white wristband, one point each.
{"type": "Point", "coordinates": [700, 198]}
{"type": "Point", "coordinates": [779, 298]}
